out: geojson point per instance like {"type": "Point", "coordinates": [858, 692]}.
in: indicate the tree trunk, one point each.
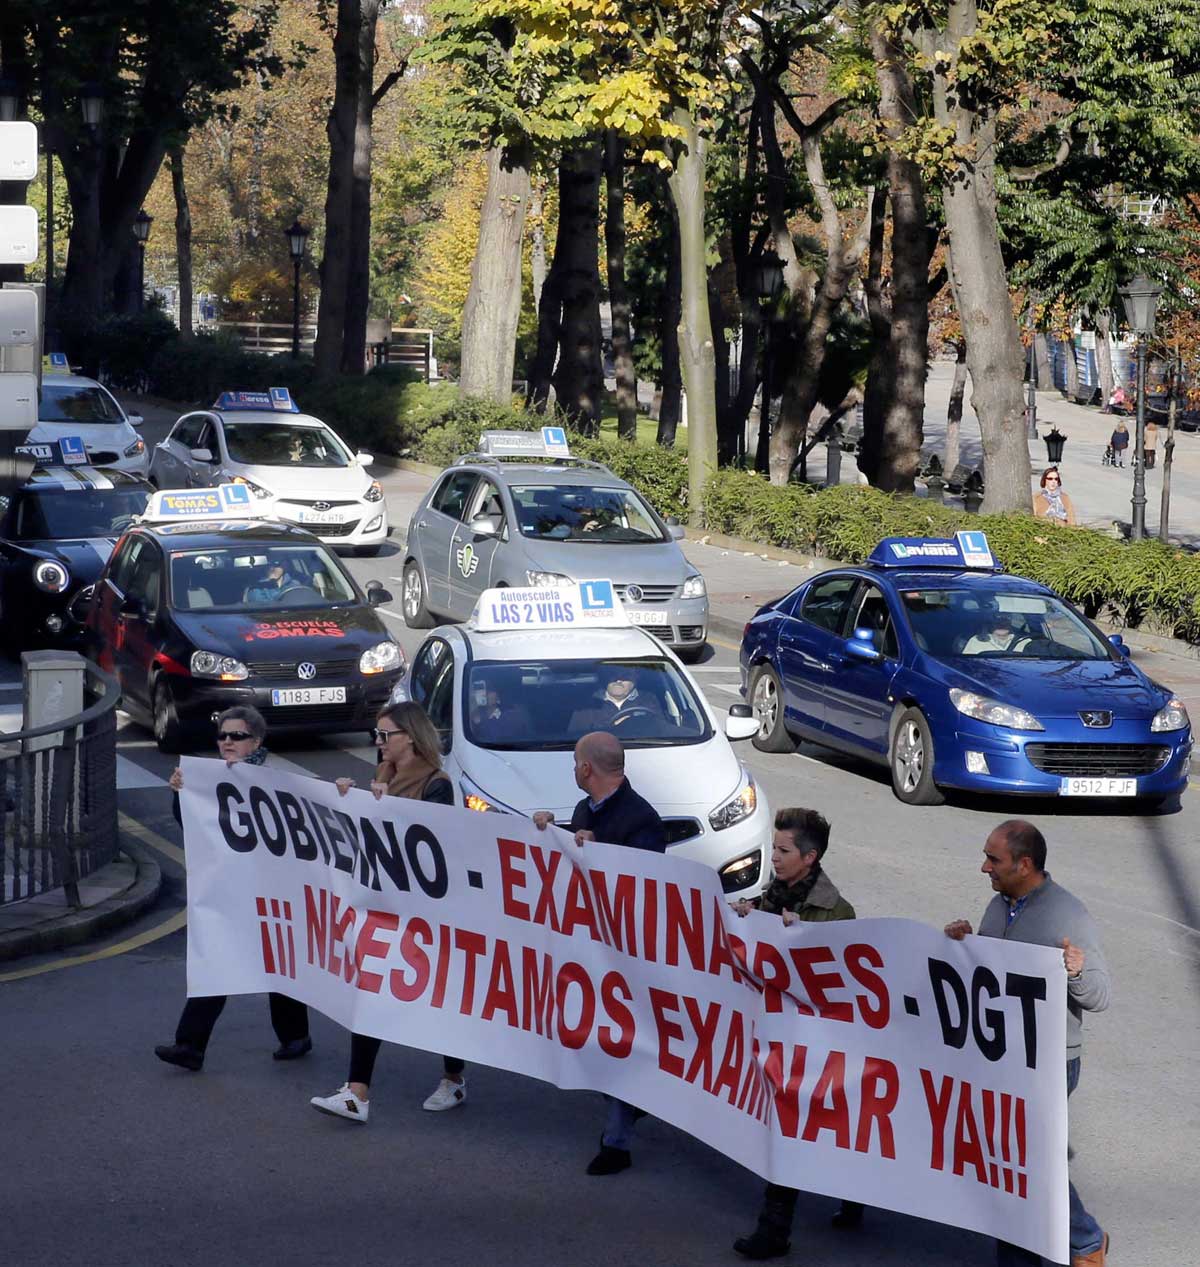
{"type": "Point", "coordinates": [878, 391]}
{"type": "Point", "coordinates": [183, 241]}
{"type": "Point", "coordinates": [537, 251]}
{"type": "Point", "coordinates": [1104, 365]}
{"type": "Point", "coordinates": [697, 355]}
{"type": "Point", "coordinates": [671, 388]}
{"type": "Point", "coordinates": [493, 307]}
{"type": "Point", "coordinates": [1071, 369]}
{"type": "Point", "coordinates": [618, 291]}
{"type": "Point", "coordinates": [954, 410]}
{"type": "Point", "coordinates": [549, 313]}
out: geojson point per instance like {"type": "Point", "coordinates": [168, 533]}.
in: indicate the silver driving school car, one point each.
{"type": "Point", "coordinates": [543, 518]}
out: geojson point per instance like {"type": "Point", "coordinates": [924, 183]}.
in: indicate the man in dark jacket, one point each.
{"type": "Point", "coordinates": [619, 705]}
{"type": "Point", "coordinates": [611, 813]}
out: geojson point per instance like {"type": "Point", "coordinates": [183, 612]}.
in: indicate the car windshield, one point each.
{"type": "Point", "coordinates": [77, 404]}
{"type": "Point", "coordinates": [546, 705]}
{"type": "Point", "coordinates": [968, 623]}
{"type": "Point", "coordinates": [258, 578]}
{"type": "Point", "coordinates": [62, 514]}
{"type": "Point", "coordinates": [281, 444]}
{"type": "Point", "coordinates": [571, 512]}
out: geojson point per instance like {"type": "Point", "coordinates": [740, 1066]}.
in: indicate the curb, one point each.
{"type": "Point", "coordinates": [80, 926]}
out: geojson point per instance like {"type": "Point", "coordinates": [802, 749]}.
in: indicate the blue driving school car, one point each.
{"type": "Point", "coordinates": [933, 660]}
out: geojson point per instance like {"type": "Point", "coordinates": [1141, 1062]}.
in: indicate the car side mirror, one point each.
{"type": "Point", "coordinates": [1118, 644]}
{"type": "Point", "coordinates": [677, 531]}
{"type": "Point", "coordinates": [202, 455]}
{"type": "Point", "coordinates": [740, 723]}
{"type": "Point", "coordinates": [134, 420]}
{"type": "Point", "coordinates": [364, 458]}
{"type": "Point", "coordinates": [134, 607]}
{"type": "Point", "coordinates": [862, 646]}
{"type": "Point", "coordinates": [484, 526]}
{"type": "Point", "coordinates": [376, 594]}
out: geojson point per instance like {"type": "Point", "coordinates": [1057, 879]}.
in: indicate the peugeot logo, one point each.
{"type": "Point", "coordinates": [322, 506]}
{"type": "Point", "coordinates": [306, 671]}
{"type": "Point", "coordinates": [633, 593]}
{"type": "Point", "coordinates": [1096, 717]}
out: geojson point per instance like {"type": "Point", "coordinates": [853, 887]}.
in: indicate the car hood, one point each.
{"type": "Point", "coordinates": [1059, 688]}
{"type": "Point", "coordinates": [83, 558]}
{"type": "Point", "coordinates": [323, 633]}
{"type": "Point", "coordinates": [330, 483]}
{"type": "Point", "coordinates": [669, 778]}
{"type": "Point", "coordinates": [661, 563]}
{"type": "Point", "coordinates": [93, 434]}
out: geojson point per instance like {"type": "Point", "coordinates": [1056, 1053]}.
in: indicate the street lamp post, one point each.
{"type": "Point", "coordinates": [1140, 297]}
{"type": "Point", "coordinates": [141, 231]}
{"type": "Point", "coordinates": [297, 239]}
{"type": "Point", "coordinates": [769, 280]}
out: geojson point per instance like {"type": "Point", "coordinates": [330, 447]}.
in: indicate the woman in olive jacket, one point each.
{"type": "Point", "coordinates": [800, 891]}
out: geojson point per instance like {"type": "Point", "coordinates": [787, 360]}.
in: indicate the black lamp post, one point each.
{"type": "Point", "coordinates": [1031, 397]}
{"type": "Point", "coordinates": [1140, 297]}
{"type": "Point", "coordinates": [768, 276]}
{"type": "Point", "coordinates": [297, 239]}
{"type": "Point", "coordinates": [141, 231]}
{"type": "Point", "coordinates": [1054, 445]}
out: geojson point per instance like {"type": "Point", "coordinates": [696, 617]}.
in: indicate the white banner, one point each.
{"type": "Point", "coordinates": [873, 1059]}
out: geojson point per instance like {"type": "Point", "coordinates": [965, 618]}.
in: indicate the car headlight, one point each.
{"type": "Point", "coordinates": [693, 587]}
{"type": "Point", "coordinates": [1172, 716]}
{"type": "Point", "coordinates": [477, 799]}
{"type": "Point", "coordinates": [546, 579]}
{"type": "Point", "coordinates": [381, 657]}
{"type": "Point", "coordinates": [741, 805]}
{"type": "Point", "coordinates": [263, 494]}
{"type": "Point", "coordinates": [992, 711]}
{"type": "Point", "coordinates": [374, 493]}
{"type": "Point", "coordinates": [214, 664]}
{"type": "Point", "coordinates": [50, 576]}
{"type": "Point", "coordinates": [136, 449]}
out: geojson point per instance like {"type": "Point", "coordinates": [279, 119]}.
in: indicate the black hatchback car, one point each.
{"type": "Point", "coordinates": [56, 534]}
{"type": "Point", "coordinates": [194, 617]}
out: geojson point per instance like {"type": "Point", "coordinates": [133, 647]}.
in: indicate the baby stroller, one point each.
{"type": "Point", "coordinates": [1110, 457]}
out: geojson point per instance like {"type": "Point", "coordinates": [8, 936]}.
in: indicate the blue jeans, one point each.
{"type": "Point", "coordinates": [618, 1123]}
{"type": "Point", "coordinates": [1086, 1235]}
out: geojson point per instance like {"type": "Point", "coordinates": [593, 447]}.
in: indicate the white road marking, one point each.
{"type": "Point", "coordinates": [394, 615]}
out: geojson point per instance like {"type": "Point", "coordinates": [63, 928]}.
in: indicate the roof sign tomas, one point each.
{"type": "Point", "coordinates": [581, 605]}
{"type": "Point", "coordinates": [966, 551]}
{"type": "Point", "coordinates": [226, 501]}
{"type": "Point", "coordinates": [276, 400]}
{"type": "Point", "coordinates": [550, 442]}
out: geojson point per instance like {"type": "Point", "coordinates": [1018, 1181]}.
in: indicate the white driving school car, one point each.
{"type": "Point", "coordinates": [72, 406]}
{"type": "Point", "coordinates": [261, 439]}
{"type": "Point", "coordinates": [512, 690]}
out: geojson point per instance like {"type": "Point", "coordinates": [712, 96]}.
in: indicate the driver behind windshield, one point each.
{"type": "Point", "coordinates": [995, 635]}
{"type": "Point", "coordinates": [620, 701]}
{"type": "Point", "coordinates": [272, 585]}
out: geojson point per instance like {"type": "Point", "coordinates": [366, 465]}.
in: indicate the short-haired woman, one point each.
{"type": "Point", "coordinates": [240, 734]}
{"type": "Point", "coordinates": [410, 765]}
{"type": "Point", "coordinates": [1051, 502]}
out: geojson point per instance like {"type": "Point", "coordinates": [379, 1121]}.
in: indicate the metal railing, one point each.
{"type": "Point", "coordinates": [59, 820]}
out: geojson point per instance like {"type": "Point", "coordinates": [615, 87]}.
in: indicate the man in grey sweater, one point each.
{"type": "Point", "coordinates": [1030, 907]}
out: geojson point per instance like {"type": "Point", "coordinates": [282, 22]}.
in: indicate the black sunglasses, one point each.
{"type": "Point", "coordinates": [238, 736]}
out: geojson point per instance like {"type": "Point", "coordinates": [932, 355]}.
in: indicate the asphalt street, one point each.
{"type": "Point", "coordinates": [114, 1158]}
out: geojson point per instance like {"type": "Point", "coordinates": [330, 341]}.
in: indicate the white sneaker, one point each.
{"type": "Point", "coordinates": [447, 1095]}
{"type": "Point", "coordinates": [343, 1103]}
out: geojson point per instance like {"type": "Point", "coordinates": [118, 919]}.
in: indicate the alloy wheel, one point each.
{"type": "Point", "coordinates": [910, 757]}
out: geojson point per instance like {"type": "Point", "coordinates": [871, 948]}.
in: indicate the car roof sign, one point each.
{"type": "Point", "coordinates": [276, 400]}
{"type": "Point", "coordinates": [579, 605]}
{"type": "Point", "coordinates": [549, 442]}
{"type": "Point", "coordinates": [226, 501]}
{"type": "Point", "coordinates": [964, 552]}
{"type": "Point", "coordinates": [65, 451]}
{"type": "Point", "coordinates": [55, 363]}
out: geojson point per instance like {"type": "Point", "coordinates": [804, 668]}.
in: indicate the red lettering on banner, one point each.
{"type": "Point", "coordinates": [501, 990]}
{"type": "Point", "coordinates": [443, 967]}
{"type": "Point", "coordinates": [416, 933]}
{"type": "Point", "coordinates": [679, 926]}
{"type": "Point", "coordinates": [339, 928]}
{"type": "Point", "coordinates": [649, 922]}
{"type": "Point", "coordinates": [662, 1002]}
{"type": "Point", "coordinates": [511, 877]}
{"type": "Point", "coordinates": [537, 992]}
{"type": "Point", "coordinates": [577, 908]}
{"type": "Point", "coordinates": [369, 946]}
{"type": "Point", "coordinates": [574, 1036]}
{"type": "Point", "coordinates": [817, 983]}
{"type": "Point", "coordinates": [546, 863]}
{"type": "Point", "coordinates": [472, 945]}
{"type": "Point", "coordinates": [827, 1107]}
{"type": "Point", "coordinates": [968, 1151]}
{"type": "Point", "coordinates": [860, 959]}
{"type": "Point", "coordinates": [880, 1093]}
{"type": "Point", "coordinates": [776, 981]}
{"type": "Point", "coordinates": [616, 917]}
{"type": "Point", "coordinates": [730, 1073]}
{"type": "Point", "coordinates": [938, 1104]}
{"type": "Point", "coordinates": [705, 1030]}
{"type": "Point", "coordinates": [720, 951]}
{"type": "Point", "coordinates": [787, 1094]}
{"type": "Point", "coordinates": [315, 924]}
{"type": "Point", "coordinates": [614, 995]}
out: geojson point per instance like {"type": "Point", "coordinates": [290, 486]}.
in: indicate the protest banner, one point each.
{"type": "Point", "coordinates": [873, 1059]}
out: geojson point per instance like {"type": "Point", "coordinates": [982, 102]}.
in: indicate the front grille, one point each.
{"type": "Point", "coordinates": [325, 715]}
{"type": "Point", "coordinates": [285, 670]}
{"type": "Point", "coordinates": [326, 530]}
{"type": "Point", "coordinates": [650, 593]}
{"type": "Point", "coordinates": [677, 829]}
{"type": "Point", "coordinates": [103, 457]}
{"type": "Point", "coordinates": [314, 501]}
{"type": "Point", "coordinates": [1103, 760]}
{"type": "Point", "coordinates": [691, 633]}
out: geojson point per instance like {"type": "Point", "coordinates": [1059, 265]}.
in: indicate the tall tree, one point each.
{"type": "Point", "coordinates": [618, 289]}
{"type": "Point", "coordinates": [183, 239]}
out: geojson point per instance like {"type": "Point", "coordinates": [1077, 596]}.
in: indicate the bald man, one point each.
{"type": "Point", "coordinates": [611, 813]}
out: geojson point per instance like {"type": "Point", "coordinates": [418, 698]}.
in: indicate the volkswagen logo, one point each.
{"type": "Point", "coordinates": [1096, 718]}
{"type": "Point", "coordinates": [306, 671]}
{"type": "Point", "coordinates": [633, 593]}
{"type": "Point", "coordinates": [322, 506]}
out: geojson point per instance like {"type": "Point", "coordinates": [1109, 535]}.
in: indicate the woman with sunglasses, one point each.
{"type": "Point", "coordinates": [410, 764]}
{"type": "Point", "coordinates": [1051, 502]}
{"type": "Point", "coordinates": [240, 734]}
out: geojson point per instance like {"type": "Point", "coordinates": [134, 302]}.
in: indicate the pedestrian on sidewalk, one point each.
{"type": "Point", "coordinates": [410, 765]}
{"type": "Point", "coordinates": [1051, 503]}
{"type": "Point", "coordinates": [799, 891]}
{"type": "Point", "coordinates": [1150, 444]}
{"type": "Point", "coordinates": [611, 813]}
{"type": "Point", "coordinates": [1119, 441]}
{"type": "Point", "coordinates": [1116, 400]}
{"type": "Point", "coordinates": [240, 734]}
{"type": "Point", "coordinates": [1031, 908]}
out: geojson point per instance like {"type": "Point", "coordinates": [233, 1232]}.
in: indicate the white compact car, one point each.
{"type": "Point", "coordinates": [509, 704]}
{"type": "Point", "coordinates": [260, 439]}
{"type": "Point", "coordinates": [75, 406]}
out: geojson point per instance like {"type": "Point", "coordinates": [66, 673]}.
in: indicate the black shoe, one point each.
{"type": "Point", "coordinates": [609, 1161]}
{"type": "Point", "coordinates": [848, 1216]}
{"type": "Point", "coordinates": [761, 1245]}
{"type": "Point", "coordinates": [182, 1055]}
{"type": "Point", "coordinates": [293, 1049]}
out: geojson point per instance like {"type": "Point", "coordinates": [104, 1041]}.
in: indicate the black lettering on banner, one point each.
{"type": "Point", "coordinates": [376, 853]}
{"type": "Point", "coordinates": [1031, 991]}
{"type": "Point", "coordinates": [992, 1043]}
{"type": "Point", "coordinates": [304, 846]}
{"type": "Point", "coordinates": [245, 840]}
{"type": "Point", "coordinates": [435, 884]}
{"type": "Point", "coordinates": [942, 976]}
{"type": "Point", "coordinates": [274, 836]}
{"type": "Point", "coordinates": [345, 862]}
